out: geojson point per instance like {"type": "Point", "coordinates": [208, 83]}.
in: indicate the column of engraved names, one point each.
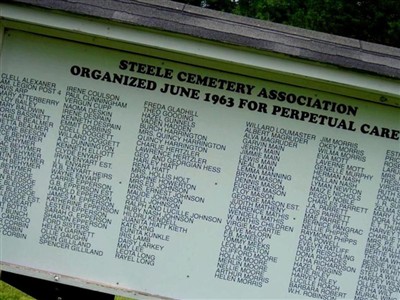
{"type": "Point", "coordinates": [156, 194]}
{"type": "Point", "coordinates": [327, 241]}
{"type": "Point", "coordinates": [79, 199]}
{"type": "Point", "coordinates": [380, 276]}
{"type": "Point", "coordinates": [24, 125]}
{"type": "Point", "coordinates": [255, 216]}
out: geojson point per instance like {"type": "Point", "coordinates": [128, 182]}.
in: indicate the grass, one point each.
{"type": "Point", "coordinates": [7, 292]}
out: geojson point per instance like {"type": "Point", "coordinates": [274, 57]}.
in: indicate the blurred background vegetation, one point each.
{"type": "Point", "coordinates": [7, 292]}
{"type": "Point", "coordinates": [376, 21]}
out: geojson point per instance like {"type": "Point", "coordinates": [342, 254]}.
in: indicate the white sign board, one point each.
{"type": "Point", "coordinates": [174, 180]}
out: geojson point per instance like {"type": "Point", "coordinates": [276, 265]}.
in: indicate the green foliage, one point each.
{"type": "Point", "coordinates": [375, 21]}
{"type": "Point", "coordinates": [121, 298]}
{"type": "Point", "coordinates": [221, 5]}
{"type": "Point", "coordinates": [7, 292]}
